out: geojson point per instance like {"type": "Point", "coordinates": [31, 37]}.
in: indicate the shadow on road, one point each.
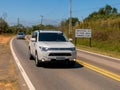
{"type": "Point", "coordinates": [60, 65]}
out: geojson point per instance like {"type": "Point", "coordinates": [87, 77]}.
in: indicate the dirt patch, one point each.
{"type": "Point", "coordinates": [5, 38]}
{"type": "Point", "coordinates": [8, 75]}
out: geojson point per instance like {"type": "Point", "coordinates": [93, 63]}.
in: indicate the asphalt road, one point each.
{"type": "Point", "coordinates": [106, 63]}
{"type": "Point", "coordinates": [61, 77]}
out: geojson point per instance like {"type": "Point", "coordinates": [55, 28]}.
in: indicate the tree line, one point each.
{"type": "Point", "coordinates": [104, 13]}
{"type": "Point", "coordinates": [103, 17]}
{"type": "Point", "coordinates": [5, 28]}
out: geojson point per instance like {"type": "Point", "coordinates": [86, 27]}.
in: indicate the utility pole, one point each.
{"type": "Point", "coordinates": [41, 19]}
{"type": "Point", "coordinates": [70, 19]}
{"type": "Point", "coordinates": [18, 21]}
{"type": "Point", "coordinates": [41, 25]}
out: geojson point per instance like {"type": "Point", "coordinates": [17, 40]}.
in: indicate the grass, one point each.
{"type": "Point", "coordinates": [105, 48]}
{"type": "Point", "coordinates": [8, 74]}
{"type": "Point", "coordinates": [105, 36]}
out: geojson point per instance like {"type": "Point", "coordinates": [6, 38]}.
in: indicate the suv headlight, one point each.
{"type": "Point", "coordinates": [44, 48]}
{"type": "Point", "coordinates": [73, 49]}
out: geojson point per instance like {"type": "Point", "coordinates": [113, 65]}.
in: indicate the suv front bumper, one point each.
{"type": "Point", "coordinates": [57, 56]}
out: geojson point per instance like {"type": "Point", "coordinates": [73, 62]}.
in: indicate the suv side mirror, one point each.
{"type": "Point", "coordinates": [70, 39]}
{"type": "Point", "coordinates": [33, 39]}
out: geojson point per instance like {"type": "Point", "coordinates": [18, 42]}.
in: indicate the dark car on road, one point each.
{"type": "Point", "coordinates": [20, 35]}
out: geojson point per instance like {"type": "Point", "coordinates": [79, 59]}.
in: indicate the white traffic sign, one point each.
{"type": "Point", "coordinates": [83, 33]}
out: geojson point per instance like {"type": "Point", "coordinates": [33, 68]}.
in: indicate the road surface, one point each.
{"type": "Point", "coordinates": [61, 77]}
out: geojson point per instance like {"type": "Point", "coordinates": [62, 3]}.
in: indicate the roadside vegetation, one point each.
{"type": "Point", "coordinates": [8, 73]}
{"type": "Point", "coordinates": [105, 25]}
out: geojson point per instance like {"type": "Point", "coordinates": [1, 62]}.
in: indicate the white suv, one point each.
{"type": "Point", "coordinates": [47, 45]}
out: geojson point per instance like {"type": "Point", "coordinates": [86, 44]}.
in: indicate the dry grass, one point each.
{"type": "Point", "coordinates": [8, 76]}
{"type": "Point", "coordinates": [97, 50]}
{"type": "Point", "coordinates": [4, 39]}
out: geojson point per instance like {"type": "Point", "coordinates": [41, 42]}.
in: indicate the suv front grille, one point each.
{"type": "Point", "coordinates": [60, 54]}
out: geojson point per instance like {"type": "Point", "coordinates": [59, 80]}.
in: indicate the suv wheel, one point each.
{"type": "Point", "coordinates": [36, 60]}
{"type": "Point", "coordinates": [71, 63]}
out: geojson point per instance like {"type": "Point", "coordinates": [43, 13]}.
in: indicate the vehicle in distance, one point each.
{"type": "Point", "coordinates": [20, 35]}
{"type": "Point", "coordinates": [48, 46]}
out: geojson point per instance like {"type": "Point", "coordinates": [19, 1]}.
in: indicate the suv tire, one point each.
{"type": "Point", "coordinates": [71, 63]}
{"type": "Point", "coordinates": [36, 60]}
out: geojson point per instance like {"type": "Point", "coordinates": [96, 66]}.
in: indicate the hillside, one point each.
{"type": "Point", "coordinates": [105, 29]}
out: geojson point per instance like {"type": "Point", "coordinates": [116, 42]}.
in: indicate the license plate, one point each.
{"type": "Point", "coordinates": [60, 58]}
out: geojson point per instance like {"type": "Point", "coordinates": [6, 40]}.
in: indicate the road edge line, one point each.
{"type": "Point", "coordinates": [24, 74]}
{"type": "Point", "coordinates": [117, 59]}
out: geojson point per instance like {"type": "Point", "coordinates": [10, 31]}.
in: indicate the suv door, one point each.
{"type": "Point", "coordinates": [34, 35]}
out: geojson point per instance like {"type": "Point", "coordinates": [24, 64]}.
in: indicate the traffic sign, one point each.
{"type": "Point", "coordinates": [83, 33]}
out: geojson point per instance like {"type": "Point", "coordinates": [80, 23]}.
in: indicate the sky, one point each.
{"type": "Point", "coordinates": [29, 12]}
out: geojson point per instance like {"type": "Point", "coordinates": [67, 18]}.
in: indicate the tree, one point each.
{"type": "Point", "coordinates": [50, 27]}
{"type": "Point", "coordinates": [3, 26]}
{"type": "Point", "coordinates": [35, 27]}
{"type": "Point", "coordinates": [38, 27]}
{"type": "Point", "coordinates": [94, 14]}
{"type": "Point", "coordinates": [108, 9]}
{"type": "Point", "coordinates": [101, 11]}
{"type": "Point", "coordinates": [74, 21]}
{"type": "Point", "coordinates": [114, 11]}
{"type": "Point", "coordinates": [63, 25]}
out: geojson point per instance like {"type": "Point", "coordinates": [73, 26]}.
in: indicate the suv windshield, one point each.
{"type": "Point", "coordinates": [20, 33]}
{"type": "Point", "coordinates": [52, 37]}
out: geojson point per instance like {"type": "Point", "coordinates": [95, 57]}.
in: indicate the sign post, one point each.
{"type": "Point", "coordinates": [83, 33]}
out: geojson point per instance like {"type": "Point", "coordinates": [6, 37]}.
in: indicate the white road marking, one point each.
{"type": "Point", "coordinates": [117, 59]}
{"type": "Point", "coordinates": [25, 76]}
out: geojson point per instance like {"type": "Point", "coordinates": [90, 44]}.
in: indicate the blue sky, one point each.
{"type": "Point", "coordinates": [53, 11]}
